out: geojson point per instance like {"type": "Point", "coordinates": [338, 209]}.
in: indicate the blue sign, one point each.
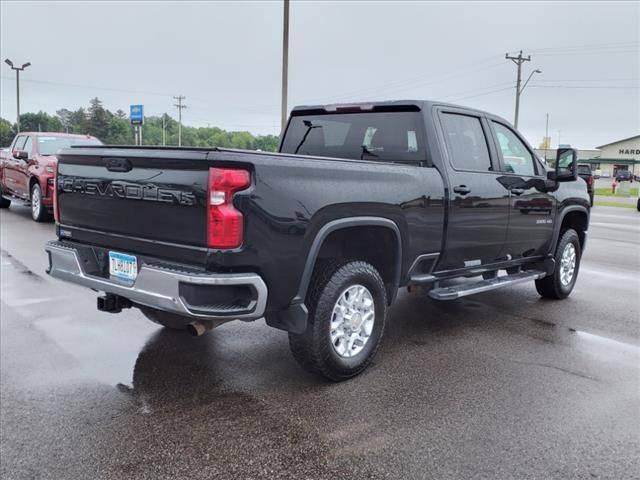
{"type": "Point", "coordinates": [136, 114]}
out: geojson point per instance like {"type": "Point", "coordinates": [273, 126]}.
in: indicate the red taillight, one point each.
{"type": "Point", "coordinates": [590, 182]}
{"type": "Point", "coordinates": [54, 188]}
{"type": "Point", "coordinates": [224, 222]}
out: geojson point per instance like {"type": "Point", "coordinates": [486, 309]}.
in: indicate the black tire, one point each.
{"type": "Point", "coordinates": [313, 349]}
{"type": "Point", "coordinates": [39, 212]}
{"type": "Point", "coordinates": [166, 319]}
{"type": "Point", "coordinates": [4, 203]}
{"type": "Point", "coordinates": [551, 286]}
{"type": "Point", "coordinates": [638, 205]}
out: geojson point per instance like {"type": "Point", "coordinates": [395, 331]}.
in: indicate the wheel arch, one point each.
{"type": "Point", "coordinates": [294, 318]}
{"type": "Point", "coordinates": [342, 224]}
{"type": "Point", "coordinates": [576, 217]}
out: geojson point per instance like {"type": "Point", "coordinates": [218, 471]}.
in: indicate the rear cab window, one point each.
{"type": "Point", "coordinates": [376, 135]}
{"type": "Point", "coordinates": [49, 145]}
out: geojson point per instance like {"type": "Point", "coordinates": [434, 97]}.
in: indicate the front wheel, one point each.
{"type": "Point", "coordinates": [38, 210]}
{"type": "Point", "coordinates": [560, 283]}
{"type": "Point", "coordinates": [347, 305]}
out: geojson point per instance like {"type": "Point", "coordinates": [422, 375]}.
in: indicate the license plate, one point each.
{"type": "Point", "coordinates": [123, 266]}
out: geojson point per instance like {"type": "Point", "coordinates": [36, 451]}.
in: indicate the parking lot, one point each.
{"type": "Point", "coordinates": [498, 385]}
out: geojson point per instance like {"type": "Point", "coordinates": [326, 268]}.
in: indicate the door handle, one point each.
{"type": "Point", "coordinates": [517, 191]}
{"type": "Point", "coordinates": [461, 189]}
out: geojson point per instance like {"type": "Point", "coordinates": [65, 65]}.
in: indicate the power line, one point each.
{"type": "Point", "coordinates": [91, 87]}
{"type": "Point", "coordinates": [588, 86]}
{"type": "Point", "coordinates": [420, 80]}
{"type": "Point", "coordinates": [602, 52]}
{"type": "Point", "coordinates": [479, 90]}
{"type": "Point", "coordinates": [598, 46]}
{"type": "Point", "coordinates": [480, 94]}
{"type": "Point", "coordinates": [180, 106]}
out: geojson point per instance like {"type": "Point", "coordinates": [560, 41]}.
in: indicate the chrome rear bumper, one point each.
{"type": "Point", "coordinates": [160, 287]}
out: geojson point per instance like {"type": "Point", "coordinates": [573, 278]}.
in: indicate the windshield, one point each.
{"type": "Point", "coordinates": [50, 145]}
{"type": "Point", "coordinates": [389, 136]}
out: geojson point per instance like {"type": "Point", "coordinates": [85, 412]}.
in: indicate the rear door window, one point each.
{"type": "Point", "coordinates": [466, 142]}
{"type": "Point", "coordinates": [388, 136]}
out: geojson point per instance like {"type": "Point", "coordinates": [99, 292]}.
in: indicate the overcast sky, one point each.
{"type": "Point", "coordinates": [226, 59]}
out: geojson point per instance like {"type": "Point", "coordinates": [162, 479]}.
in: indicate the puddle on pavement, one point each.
{"type": "Point", "coordinates": [8, 259]}
{"type": "Point", "coordinates": [604, 347]}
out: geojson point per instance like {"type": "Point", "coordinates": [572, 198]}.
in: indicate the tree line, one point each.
{"type": "Point", "coordinates": [114, 128]}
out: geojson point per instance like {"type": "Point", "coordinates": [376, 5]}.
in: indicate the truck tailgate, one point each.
{"type": "Point", "coordinates": [148, 196]}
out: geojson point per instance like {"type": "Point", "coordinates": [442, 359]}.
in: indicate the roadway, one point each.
{"type": "Point", "coordinates": [498, 385]}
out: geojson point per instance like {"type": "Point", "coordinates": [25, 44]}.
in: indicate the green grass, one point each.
{"type": "Point", "coordinates": [606, 191]}
{"type": "Point", "coordinates": [613, 204]}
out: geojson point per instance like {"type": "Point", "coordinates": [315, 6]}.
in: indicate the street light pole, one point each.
{"type": "Point", "coordinates": [18, 70]}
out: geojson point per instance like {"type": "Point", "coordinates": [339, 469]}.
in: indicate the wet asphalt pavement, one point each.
{"type": "Point", "coordinates": [498, 385]}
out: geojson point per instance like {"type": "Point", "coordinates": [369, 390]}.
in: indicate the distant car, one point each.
{"type": "Point", "coordinates": [623, 176]}
{"type": "Point", "coordinates": [606, 175]}
{"type": "Point", "coordinates": [28, 166]}
{"type": "Point", "coordinates": [584, 172]}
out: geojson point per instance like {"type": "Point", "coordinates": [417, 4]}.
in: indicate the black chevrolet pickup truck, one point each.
{"type": "Point", "coordinates": [361, 199]}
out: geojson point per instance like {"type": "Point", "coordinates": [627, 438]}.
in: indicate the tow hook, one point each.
{"type": "Point", "coordinates": [113, 303]}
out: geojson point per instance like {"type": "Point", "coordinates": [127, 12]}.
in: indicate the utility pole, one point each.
{"type": "Point", "coordinates": [18, 70]}
{"type": "Point", "coordinates": [180, 106]}
{"type": "Point", "coordinates": [547, 140]}
{"type": "Point", "coordinates": [519, 60]}
{"type": "Point", "coordinates": [285, 64]}
{"type": "Point", "coordinates": [164, 129]}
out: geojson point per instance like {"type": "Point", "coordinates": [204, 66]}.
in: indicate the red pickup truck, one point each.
{"type": "Point", "coordinates": [27, 169]}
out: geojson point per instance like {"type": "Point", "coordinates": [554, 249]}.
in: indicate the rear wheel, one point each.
{"type": "Point", "coordinates": [347, 309]}
{"type": "Point", "coordinates": [166, 319]}
{"type": "Point", "coordinates": [38, 211]}
{"type": "Point", "coordinates": [560, 283]}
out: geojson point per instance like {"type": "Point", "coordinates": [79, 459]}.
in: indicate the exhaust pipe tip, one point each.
{"type": "Point", "coordinates": [197, 329]}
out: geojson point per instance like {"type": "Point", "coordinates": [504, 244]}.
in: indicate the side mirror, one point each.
{"type": "Point", "coordinates": [566, 168]}
{"type": "Point", "coordinates": [20, 154]}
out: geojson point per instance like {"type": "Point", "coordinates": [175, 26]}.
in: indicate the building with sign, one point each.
{"type": "Point", "coordinates": [610, 158]}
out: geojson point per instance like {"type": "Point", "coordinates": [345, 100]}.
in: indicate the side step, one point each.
{"type": "Point", "coordinates": [457, 291]}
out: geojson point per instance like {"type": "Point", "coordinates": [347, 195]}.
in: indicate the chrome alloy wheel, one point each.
{"type": "Point", "coordinates": [568, 264]}
{"type": "Point", "coordinates": [36, 203]}
{"type": "Point", "coordinates": [352, 321]}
